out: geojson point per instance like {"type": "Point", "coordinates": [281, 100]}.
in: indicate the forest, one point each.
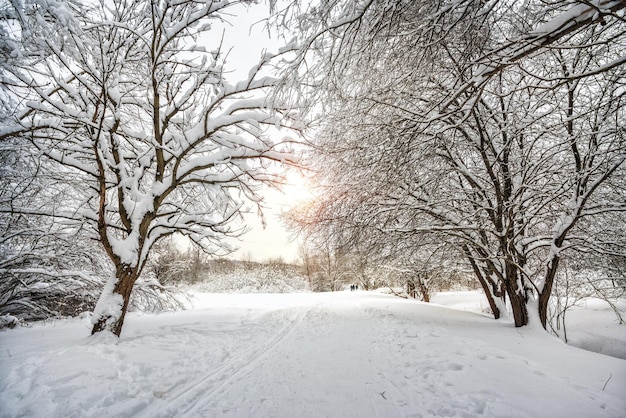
{"type": "Point", "coordinates": [459, 143]}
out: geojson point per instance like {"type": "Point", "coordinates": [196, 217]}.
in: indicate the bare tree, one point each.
{"type": "Point", "coordinates": [434, 125]}
{"type": "Point", "coordinates": [133, 98]}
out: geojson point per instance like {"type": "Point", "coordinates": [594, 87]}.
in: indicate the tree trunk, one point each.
{"type": "Point", "coordinates": [483, 283]}
{"type": "Point", "coordinates": [546, 291]}
{"type": "Point", "coordinates": [410, 289]}
{"type": "Point", "coordinates": [423, 290]}
{"type": "Point", "coordinates": [111, 312]}
{"type": "Point", "coordinates": [519, 308]}
{"type": "Point", "coordinates": [490, 297]}
{"type": "Point", "coordinates": [517, 295]}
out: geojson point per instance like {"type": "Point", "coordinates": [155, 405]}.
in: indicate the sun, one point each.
{"type": "Point", "coordinates": [298, 189]}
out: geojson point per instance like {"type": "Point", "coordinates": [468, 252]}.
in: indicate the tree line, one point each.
{"type": "Point", "coordinates": [493, 132]}
{"type": "Point", "coordinates": [476, 136]}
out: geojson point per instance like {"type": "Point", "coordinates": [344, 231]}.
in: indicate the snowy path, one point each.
{"type": "Point", "coordinates": [307, 355]}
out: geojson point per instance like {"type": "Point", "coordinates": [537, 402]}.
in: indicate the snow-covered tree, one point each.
{"type": "Point", "coordinates": [133, 99]}
{"type": "Point", "coordinates": [497, 126]}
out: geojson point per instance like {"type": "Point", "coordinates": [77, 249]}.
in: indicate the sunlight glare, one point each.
{"type": "Point", "coordinates": [298, 188]}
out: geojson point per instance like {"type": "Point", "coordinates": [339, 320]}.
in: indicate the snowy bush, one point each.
{"type": "Point", "coordinates": [228, 276]}
{"type": "Point", "coordinates": [259, 278]}
{"type": "Point", "coordinates": [150, 296]}
{"type": "Point", "coordinates": [60, 275]}
{"type": "Point", "coordinates": [169, 266]}
{"type": "Point", "coordinates": [8, 321]}
{"type": "Point", "coordinates": [54, 274]}
{"type": "Point", "coordinates": [583, 278]}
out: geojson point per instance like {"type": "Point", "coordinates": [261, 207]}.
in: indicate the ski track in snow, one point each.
{"type": "Point", "coordinates": [187, 399]}
{"type": "Point", "coordinates": [326, 355]}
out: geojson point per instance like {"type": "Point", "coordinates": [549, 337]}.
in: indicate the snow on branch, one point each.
{"type": "Point", "coordinates": [495, 61]}
{"type": "Point", "coordinates": [135, 102]}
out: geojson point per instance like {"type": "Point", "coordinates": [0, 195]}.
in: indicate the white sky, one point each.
{"type": "Point", "coordinates": [259, 244]}
{"type": "Point", "coordinates": [273, 241]}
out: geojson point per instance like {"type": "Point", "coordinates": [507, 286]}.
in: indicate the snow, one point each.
{"type": "Point", "coordinates": [109, 305]}
{"type": "Point", "coordinates": [576, 14]}
{"type": "Point", "coordinates": [343, 354]}
{"type": "Point", "coordinates": [592, 325]}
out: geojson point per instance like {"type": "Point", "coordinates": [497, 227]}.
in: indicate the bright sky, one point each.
{"type": "Point", "coordinates": [273, 241]}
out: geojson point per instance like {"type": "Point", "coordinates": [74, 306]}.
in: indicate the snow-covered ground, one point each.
{"type": "Point", "coordinates": [345, 354]}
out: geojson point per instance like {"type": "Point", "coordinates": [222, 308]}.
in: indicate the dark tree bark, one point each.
{"type": "Point", "coordinates": [126, 278]}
